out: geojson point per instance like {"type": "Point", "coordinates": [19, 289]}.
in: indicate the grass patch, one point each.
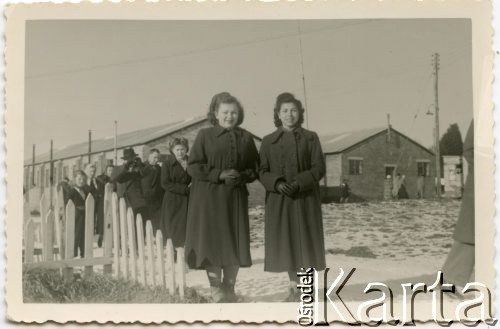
{"type": "Point", "coordinates": [48, 286]}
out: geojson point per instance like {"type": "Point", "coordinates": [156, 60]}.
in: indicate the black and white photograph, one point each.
{"type": "Point", "coordinates": [213, 161]}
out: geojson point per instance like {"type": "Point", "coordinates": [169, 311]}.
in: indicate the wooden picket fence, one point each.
{"type": "Point", "coordinates": [128, 252]}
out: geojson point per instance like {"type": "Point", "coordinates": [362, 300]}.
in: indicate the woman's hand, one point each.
{"type": "Point", "coordinates": [288, 189]}
{"type": "Point", "coordinates": [230, 177]}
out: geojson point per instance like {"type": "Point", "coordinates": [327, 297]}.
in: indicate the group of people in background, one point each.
{"type": "Point", "coordinates": [200, 200]}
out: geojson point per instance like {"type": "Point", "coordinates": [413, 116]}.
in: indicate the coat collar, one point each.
{"type": "Point", "coordinates": [219, 131]}
{"type": "Point", "coordinates": [275, 136]}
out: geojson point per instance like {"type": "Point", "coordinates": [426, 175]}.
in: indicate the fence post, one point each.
{"type": "Point", "coordinates": [140, 246]}
{"type": "Point", "coordinates": [107, 233]}
{"type": "Point", "coordinates": [89, 231]}
{"type": "Point", "coordinates": [116, 235]}
{"type": "Point", "coordinates": [48, 239]}
{"type": "Point", "coordinates": [149, 250]}
{"type": "Point", "coordinates": [43, 217]}
{"type": "Point", "coordinates": [170, 267]}
{"type": "Point", "coordinates": [132, 243]}
{"type": "Point", "coordinates": [59, 219]}
{"type": "Point", "coordinates": [69, 237]}
{"type": "Point", "coordinates": [181, 271]}
{"type": "Point", "coordinates": [159, 258]}
{"type": "Point", "coordinates": [29, 241]}
{"type": "Point", "coordinates": [123, 237]}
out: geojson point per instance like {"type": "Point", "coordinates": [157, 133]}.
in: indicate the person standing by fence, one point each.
{"type": "Point", "coordinates": [222, 161]}
{"type": "Point", "coordinates": [78, 195]}
{"type": "Point", "coordinates": [176, 181]}
{"type": "Point", "coordinates": [151, 187]}
{"type": "Point", "coordinates": [129, 176]}
{"type": "Point", "coordinates": [102, 180]}
{"type": "Point", "coordinates": [292, 164]}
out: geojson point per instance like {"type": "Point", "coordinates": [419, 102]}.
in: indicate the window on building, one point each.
{"type": "Point", "coordinates": [389, 171]}
{"type": "Point", "coordinates": [65, 172]}
{"type": "Point", "coordinates": [109, 162]}
{"type": "Point", "coordinates": [355, 166]}
{"type": "Point", "coordinates": [423, 168]}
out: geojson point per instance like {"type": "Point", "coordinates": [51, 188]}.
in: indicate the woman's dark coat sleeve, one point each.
{"type": "Point", "coordinates": [250, 174]}
{"type": "Point", "coordinates": [168, 185]}
{"type": "Point", "coordinates": [198, 166]}
{"type": "Point", "coordinates": [308, 179]}
{"type": "Point", "coordinates": [267, 178]}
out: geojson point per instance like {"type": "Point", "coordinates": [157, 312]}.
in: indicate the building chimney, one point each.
{"type": "Point", "coordinates": [388, 127]}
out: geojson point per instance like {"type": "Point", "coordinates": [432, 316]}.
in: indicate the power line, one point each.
{"type": "Point", "coordinates": [188, 53]}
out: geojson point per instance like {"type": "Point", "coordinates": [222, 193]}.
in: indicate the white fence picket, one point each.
{"type": "Point", "coordinates": [123, 238]}
{"type": "Point", "coordinates": [160, 262]}
{"type": "Point", "coordinates": [149, 250]}
{"type": "Point", "coordinates": [107, 226]}
{"type": "Point", "coordinates": [170, 265]}
{"type": "Point", "coordinates": [132, 244]}
{"type": "Point", "coordinates": [89, 231]}
{"type": "Point", "coordinates": [116, 235]}
{"type": "Point", "coordinates": [141, 262]}
{"type": "Point", "coordinates": [69, 237]}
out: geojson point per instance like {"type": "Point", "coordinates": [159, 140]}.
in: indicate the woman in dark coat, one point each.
{"type": "Point", "coordinates": [222, 161]}
{"type": "Point", "coordinates": [175, 181]}
{"type": "Point", "coordinates": [291, 166]}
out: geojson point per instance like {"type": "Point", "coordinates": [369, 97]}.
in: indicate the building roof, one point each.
{"type": "Point", "coordinates": [137, 137]}
{"type": "Point", "coordinates": [340, 142]}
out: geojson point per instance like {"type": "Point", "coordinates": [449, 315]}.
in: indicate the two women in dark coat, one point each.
{"type": "Point", "coordinates": [222, 161]}
{"type": "Point", "coordinates": [175, 181]}
{"type": "Point", "coordinates": [291, 166]}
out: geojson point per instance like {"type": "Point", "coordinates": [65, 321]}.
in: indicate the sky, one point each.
{"type": "Point", "coordinates": [84, 74]}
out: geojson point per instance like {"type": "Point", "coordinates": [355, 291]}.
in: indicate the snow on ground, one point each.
{"type": "Point", "coordinates": [392, 242]}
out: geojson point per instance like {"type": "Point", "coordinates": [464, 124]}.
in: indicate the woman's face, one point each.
{"type": "Point", "coordinates": [79, 180]}
{"type": "Point", "coordinates": [227, 115]}
{"type": "Point", "coordinates": [289, 115]}
{"type": "Point", "coordinates": [179, 151]}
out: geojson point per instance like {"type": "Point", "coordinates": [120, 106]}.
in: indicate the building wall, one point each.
{"type": "Point", "coordinates": [333, 169]}
{"type": "Point", "coordinates": [378, 152]}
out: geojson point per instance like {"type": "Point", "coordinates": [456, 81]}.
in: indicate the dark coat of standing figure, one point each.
{"type": "Point", "coordinates": [175, 180]}
{"type": "Point", "coordinates": [222, 161]}
{"type": "Point", "coordinates": [152, 189]}
{"type": "Point", "coordinates": [128, 178]}
{"type": "Point", "coordinates": [78, 195]}
{"type": "Point", "coordinates": [291, 166]}
{"type": "Point", "coordinates": [102, 180]}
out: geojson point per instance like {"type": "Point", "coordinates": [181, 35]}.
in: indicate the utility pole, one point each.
{"type": "Point", "coordinates": [90, 143]}
{"type": "Point", "coordinates": [303, 75]}
{"type": "Point", "coordinates": [435, 63]}
{"type": "Point", "coordinates": [115, 143]}
{"type": "Point", "coordinates": [51, 176]}
{"type": "Point", "coordinates": [33, 167]}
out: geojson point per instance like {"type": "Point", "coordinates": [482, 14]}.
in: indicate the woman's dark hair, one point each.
{"type": "Point", "coordinates": [224, 98]}
{"type": "Point", "coordinates": [179, 141]}
{"type": "Point", "coordinates": [287, 98]}
{"type": "Point", "coordinates": [80, 173]}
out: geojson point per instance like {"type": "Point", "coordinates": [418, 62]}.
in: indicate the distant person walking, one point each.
{"type": "Point", "coordinates": [459, 264]}
{"type": "Point", "coordinates": [222, 161]}
{"type": "Point", "coordinates": [345, 192]}
{"type": "Point", "coordinates": [402, 192]}
{"type": "Point", "coordinates": [292, 164]}
{"type": "Point", "coordinates": [176, 182]}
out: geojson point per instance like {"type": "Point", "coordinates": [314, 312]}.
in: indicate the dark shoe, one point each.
{"type": "Point", "coordinates": [229, 293]}
{"type": "Point", "coordinates": [217, 294]}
